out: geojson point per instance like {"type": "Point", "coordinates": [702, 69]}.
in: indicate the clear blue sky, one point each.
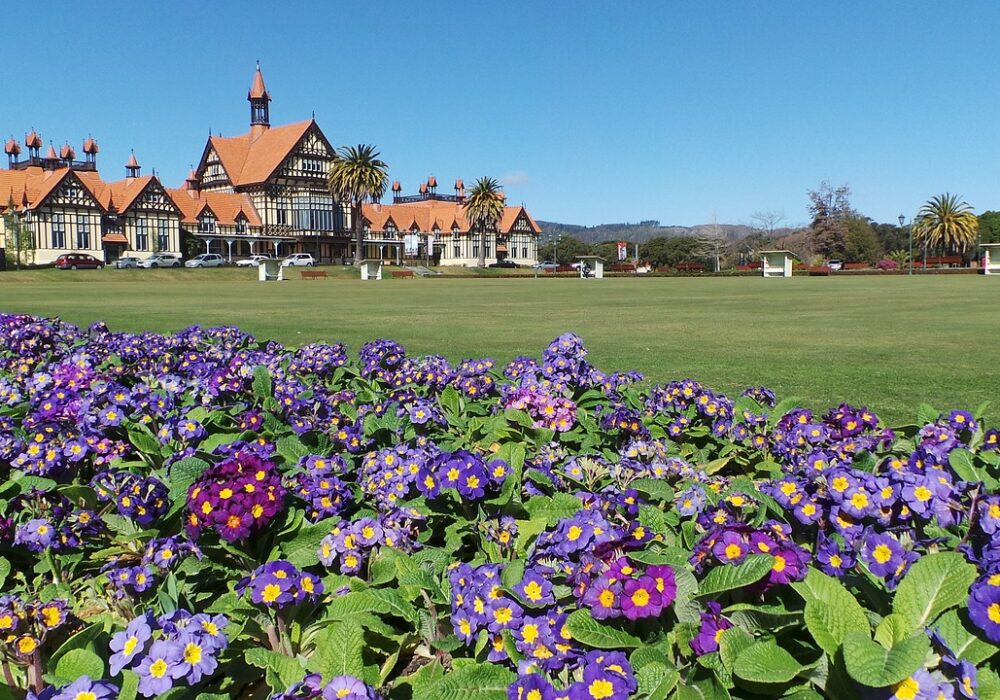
{"type": "Point", "coordinates": [589, 112]}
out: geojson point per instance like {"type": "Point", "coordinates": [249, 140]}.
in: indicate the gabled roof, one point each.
{"type": "Point", "coordinates": [252, 158]}
{"type": "Point", "coordinates": [32, 186]}
{"type": "Point", "coordinates": [225, 206]}
{"type": "Point", "coordinates": [431, 214]}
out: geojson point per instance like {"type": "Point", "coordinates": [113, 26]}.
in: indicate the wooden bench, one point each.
{"type": "Point", "coordinates": [819, 271]}
{"type": "Point", "coordinates": [313, 274]}
{"type": "Point", "coordinates": [946, 260]}
{"type": "Point", "coordinates": [856, 266]}
{"type": "Point", "coordinates": [402, 273]}
{"type": "Point", "coordinates": [621, 267]}
{"type": "Point", "coordinates": [689, 267]}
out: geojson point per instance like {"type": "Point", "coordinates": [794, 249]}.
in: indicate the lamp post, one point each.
{"type": "Point", "coordinates": [910, 258]}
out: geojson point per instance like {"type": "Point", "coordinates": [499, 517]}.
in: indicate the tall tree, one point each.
{"type": "Point", "coordinates": [946, 222]}
{"type": "Point", "coordinates": [830, 208]}
{"type": "Point", "coordinates": [357, 175]}
{"type": "Point", "coordinates": [861, 244]}
{"type": "Point", "coordinates": [989, 227]}
{"type": "Point", "coordinates": [483, 210]}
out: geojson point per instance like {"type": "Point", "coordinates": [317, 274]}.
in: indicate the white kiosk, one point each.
{"type": "Point", "coordinates": [371, 269]}
{"type": "Point", "coordinates": [776, 263]}
{"type": "Point", "coordinates": [591, 266]}
{"type": "Point", "coordinates": [991, 258]}
{"type": "Point", "coordinates": [270, 271]}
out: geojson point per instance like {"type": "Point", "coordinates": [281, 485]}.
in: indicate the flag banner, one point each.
{"type": "Point", "coordinates": [622, 250]}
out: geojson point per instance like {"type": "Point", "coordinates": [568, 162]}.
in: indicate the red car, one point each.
{"type": "Point", "coordinates": [82, 261]}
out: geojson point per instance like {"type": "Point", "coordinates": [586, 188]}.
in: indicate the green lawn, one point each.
{"type": "Point", "coordinates": [888, 342]}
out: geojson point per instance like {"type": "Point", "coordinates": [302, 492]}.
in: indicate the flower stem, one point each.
{"type": "Point", "coordinates": [272, 638]}
{"type": "Point", "coordinates": [8, 674]}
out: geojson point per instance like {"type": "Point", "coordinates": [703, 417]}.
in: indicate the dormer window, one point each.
{"type": "Point", "coordinates": [206, 224]}
{"type": "Point", "coordinates": [241, 225]}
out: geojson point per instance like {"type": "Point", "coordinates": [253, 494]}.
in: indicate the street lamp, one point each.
{"type": "Point", "coordinates": [910, 259]}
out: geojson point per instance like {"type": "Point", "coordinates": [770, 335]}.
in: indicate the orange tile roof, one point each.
{"type": "Point", "coordinates": [252, 158]}
{"type": "Point", "coordinates": [430, 213]}
{"type": "Point", "coordinates": [226, 206]}
{"type": "Point", "coordinates": [257, 89]}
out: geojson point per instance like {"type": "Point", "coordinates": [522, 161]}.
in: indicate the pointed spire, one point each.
{"type": "Point", "coordinates": [90, 146]}
{"type": "Point", "coordinates": [33, 140]}
{"type": "Point", "coordinates": [51, 153]}
{"type": "Point", "coordinates": [67, 152]}
{"type": "Point", "coordinates": [12, 147]}
{"type": "Point", "coordinates": [132, 166]}
{"type": "Point", "coordinates": [257, 89]}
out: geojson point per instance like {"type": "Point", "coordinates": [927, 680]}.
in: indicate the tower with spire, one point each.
{"type": "Point", "coordinates": [258, 96]}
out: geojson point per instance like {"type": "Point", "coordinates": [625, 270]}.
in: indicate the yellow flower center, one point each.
{"type": "Point", "coordinates": [606, 598]}
{"type": "Point", "coordinates": [533, 591]}
{"type": "Point", "coordinates": [130, 644]}
{"type": "Point", "coordinates": [574, 533]}
{"type": "Point", "coordinates": [158, 669]}
{"type": "Point", "coordinates": [923, 494]}
{"type": "Point", "coordinates": [993, 612]}
{"type": "Point", "coordinates": [733, 551]}
{"type": "Point", "coordinates": [271, 593]}
{"type": "Point", "coordinates": [601, 689]}
{"type": "Point", "coordinates": [192, 653]}
{"type": "Point", "coordinates": [907, 690]}
{"type": "Point", "coordinates": [882, 554]}
{"type": "Point", "coordinates": [641, 597]}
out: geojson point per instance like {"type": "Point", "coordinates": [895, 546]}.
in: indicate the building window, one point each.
{"type": "Point", "coordinates": [524, 252]}
{"type": "Point", "coordinates": [475, 250]}
{"type": "Point", "coordinates": [282, 217]}
{"type": "Point", "coordinates": [313, 212]}
{"type": "Point", "coordinates": [241, 225]}
{"type": "Point", "coordinates": [141, 235]}
{"type": "Point", "coordinates": [206, 224]}
{"type": "Point", "coordinates": [58, 231]}
{"type": "Point", "coordinates": [82, 231]}
{"type": "Point", "coordinates": [163, 235]}
{"type": "Point", "coordinates": [487, 250]}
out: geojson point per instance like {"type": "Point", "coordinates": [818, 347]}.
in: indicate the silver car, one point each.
{"type": "Point", "coordinates": [302, 259]}
{"type": "Point", "coordinates": [126, 262]}
{"type": "Point", "coordinates": [206, 260]}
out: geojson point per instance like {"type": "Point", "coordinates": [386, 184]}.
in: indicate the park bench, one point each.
{"type": "Point", "coordinates": [689, 267]}
{"type": "Point", "coordinates": [946, 260]}
{"type": "Point", "coordinates": [748, 268]}
{"type": "Point", "coordinates": [819, 271]}
{"type": "Point", "coordinates": [402, 273]}
{"type": "Point", "coordinates": [621, 267]}
{"type": "Point", "coordinates": [313, 274]}
{"type": "Point", "coordinates": [856, 266]}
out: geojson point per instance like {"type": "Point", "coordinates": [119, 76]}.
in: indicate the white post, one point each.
{"type": "Point", "coordinates": [208, 245]}
{"type": "Point", "coordinates": [229, 242]}
{"type": "Point", "coordinates": [276, 248]}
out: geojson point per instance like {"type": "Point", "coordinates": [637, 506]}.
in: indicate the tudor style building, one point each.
{"type": "Point", "coordinates": [264, 191]}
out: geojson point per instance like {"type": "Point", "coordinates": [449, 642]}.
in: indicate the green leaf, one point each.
{"type": "Point", "coordinates": [79, 662]}
{"type": "Point", "coordinates": [303, 549]}
{"type": "Point", "coordinates": [262, 386]}
{"type": "Point", "coordinates": [81, 640]}
{"type": "Point", "coordinates": [656, 489]}
{"type": "Point", "coordinates": [554, 508]}
{"type": "Point", "coordinates": [961, 463]}
{"type": "Point", "coordinates": [869, 663]}
{"type": "Point", "coordinates": [292, 449]}
{"type": "Point", "coordinates": [892, 630]}
{"type": "Point", "coordinates": [831, 611]}
{"type": "Point", "coordinates": [732, 643]}
{"type": "Point", "coordinates": [964, 640]}
{"type": "Point", "coordinates": [338, 651]}
{"type": "Point", "coordinates": [130, 685]}
{"type": "Point", "coordinates": [586, 630]}
{"type": "Point", "coordinates": [989, 684]}
{"type": "Point", "coordinates": [472, 682]}
{"type": "Point", "coordinates": [282, 670]}
{"type": "Point", "coordinates": [933, 584]}
{"type": "Point", "coordinates": [727, 577]}
{"type": "Point", "coordinates": [144, 441]}
{"type": "Point", "coordinates": [926, 414]}
{"type": "Point", "coordinates": [766, 662]}
{"type": "Point", "coordinates": [656, 680]}
{"type": "Point", "coordinates": [4, 571]}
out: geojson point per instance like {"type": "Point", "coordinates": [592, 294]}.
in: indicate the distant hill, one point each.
{"type": "Point", "coordinates": [640, 232]}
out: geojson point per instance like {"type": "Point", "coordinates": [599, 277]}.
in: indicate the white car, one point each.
{"type": "Point", "coordinates": [298, 259]}
{"type": "Point", "coordinates": [161, 260]}
{"type": "Point", "coordinates": [252, 261]}
{"type": "Point", "coordinates": [835, 265]}
{"type": "Point", "coordinates": [206, 260]}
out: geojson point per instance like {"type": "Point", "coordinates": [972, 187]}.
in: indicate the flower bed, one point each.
{"type": "Point", "coordinates": [204, 515]}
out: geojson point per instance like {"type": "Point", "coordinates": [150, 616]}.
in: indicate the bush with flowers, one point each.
{"type": "Point", "coordinates": [206, 515]}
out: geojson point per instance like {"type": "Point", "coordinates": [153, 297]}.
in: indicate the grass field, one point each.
{"type": "Point", "coordinates": [888, 342]}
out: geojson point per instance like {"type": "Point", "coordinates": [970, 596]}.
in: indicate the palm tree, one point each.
{"type": "Point", "coordinates": [947, 222]}
{"type": "Point", "coordinates": [483, 211]}
{"type": "Point", "coordinates": [357, 175]}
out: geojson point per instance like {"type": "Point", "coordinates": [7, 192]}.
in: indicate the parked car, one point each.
{"type": "Point", "coordinates": [835, 264]}
{"type": "Point", "coordinates": [547, 265]}
{"type": "Point", "coordinates": [298, 259]}
{"type": "Point", "coordinates": [252, 261]}
{"type": "Point", "coordinates": [503, 263]}
{"type": "Point", "coordinates": [206, 260]}
{"type": "Point", "coordinates": [127, 261]}
{"type": "Point", "coordinates": [74, 261]}
{"type": "Point", "coordinates": [161, 260]}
